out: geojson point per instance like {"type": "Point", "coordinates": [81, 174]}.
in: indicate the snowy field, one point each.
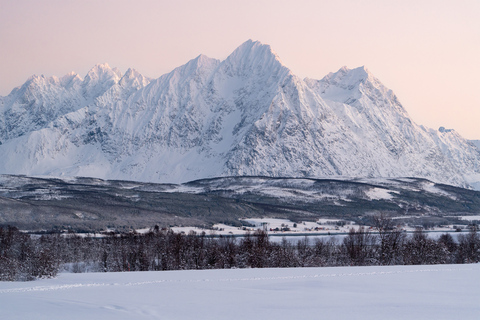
{"type": "Point", "coordinates": [399, 292]}
{"type": "Point", "coordinates": [322, 228]}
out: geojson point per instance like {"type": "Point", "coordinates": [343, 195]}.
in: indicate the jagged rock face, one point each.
{"type": "Point", "coordinates": [246, 115]}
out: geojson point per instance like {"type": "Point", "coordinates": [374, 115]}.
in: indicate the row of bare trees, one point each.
{"type": "Point", "coordinates": [24, 257]}
{"type": "Point", "coordinates": [396, 248]}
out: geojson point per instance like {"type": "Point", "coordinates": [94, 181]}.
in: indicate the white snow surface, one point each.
{"type": "Point", "coordinates": [470, 218]}
{"type": "Point", "coordinates": [326, 226]}
{"type": "Point", "coordinates": [396, 292]}
{"type": "Point", "coordinates": [248, 115]}
{"type": "Point", "coordinates": [380, 194]}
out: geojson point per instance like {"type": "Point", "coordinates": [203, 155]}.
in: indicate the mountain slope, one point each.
{"type": "Point", "coordinates": [476, 143]}
{"type": "Point", "coordinates": [396, 144]}
{"type": "Point", "coordinates": [246, 115]}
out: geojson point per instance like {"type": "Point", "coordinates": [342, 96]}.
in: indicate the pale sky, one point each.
{"type": "Point", "coordinates": [426, 51]}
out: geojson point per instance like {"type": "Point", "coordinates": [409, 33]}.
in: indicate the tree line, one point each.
{"type": "Point", "coordinates": [25, 257]}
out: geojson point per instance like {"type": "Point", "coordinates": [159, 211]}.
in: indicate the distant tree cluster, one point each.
{"type": "Point", "coordinates": [23, 257]}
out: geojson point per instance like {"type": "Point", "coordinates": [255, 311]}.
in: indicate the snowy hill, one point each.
{"type": "Point", "coordinates": [246, 115]}
{"type": "Point", "coordinates": [87, 204]}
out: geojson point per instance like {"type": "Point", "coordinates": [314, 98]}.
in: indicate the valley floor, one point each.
{"type": "Point", "coordinates": [397, 292]}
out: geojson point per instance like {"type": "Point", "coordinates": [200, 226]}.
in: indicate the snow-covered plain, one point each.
{"type": "Point", "coordinates": [322, 228]}
{"type": "Point", "coordinates": [397, 292]}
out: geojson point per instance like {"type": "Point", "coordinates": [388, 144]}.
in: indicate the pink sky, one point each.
{"type": "Point", "coordinates": [427, 52]}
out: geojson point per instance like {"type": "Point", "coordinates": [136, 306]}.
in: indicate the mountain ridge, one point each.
{"type": "Point", "coordinates": [246, 115]}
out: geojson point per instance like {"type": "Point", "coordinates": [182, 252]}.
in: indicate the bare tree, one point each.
{"type": "Point", "coordinates": [391, 239]}
{"type": "Point", "coordinates": [360, 247]}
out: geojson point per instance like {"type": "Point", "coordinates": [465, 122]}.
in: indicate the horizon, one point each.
{"type": "Point", "coordinates": [422, 51]}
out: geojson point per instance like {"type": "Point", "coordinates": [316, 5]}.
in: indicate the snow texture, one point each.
{"type": "Point", "coordinates": [476, 143]}
{"type": "Point", "coordinates": [248, 115]}
{"type": "Point", "coordinates": [397, 292]}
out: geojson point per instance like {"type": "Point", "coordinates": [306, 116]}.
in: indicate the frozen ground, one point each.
{"type": "Point", "coordinates": [399, 292]}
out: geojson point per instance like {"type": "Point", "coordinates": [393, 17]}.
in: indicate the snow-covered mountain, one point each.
{"type": "Point", "coordinates": [246, 115]}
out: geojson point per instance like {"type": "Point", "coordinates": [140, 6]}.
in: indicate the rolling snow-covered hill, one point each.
{"type": "Point", "coordinates": [246, 115]}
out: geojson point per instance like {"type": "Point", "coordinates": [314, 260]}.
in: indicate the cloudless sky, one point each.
{"type": "Point", "coordinates": [426, 51]}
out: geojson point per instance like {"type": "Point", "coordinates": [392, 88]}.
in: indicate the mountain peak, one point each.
{"type": "Point", "coordinates": [199, 65]}
{"type": "Point", "coordinates": [134, 78]}
{"type": "Point", "coordinates": [348, 77]}
{"type": "Point", "coordinates": [201, 58]}
{"type": "Point", "coordinates": [247, 45]}
{"type": "Point", "coordinates": [255, 48]}
{"type": "Point", "coordinates": [131, 73]}
{"type": "Point", "coordinates": [203, 61]}
{"type": "Point", "coordinates": [101, 66]}
{"type": "Point", "coordinates": [102, 74]}
{"type": "Point", "coordinates": [40, 81]}
{"type": "Point", "coordinates": [253, 57]}
{"type": "Point", "coordinates": [361, 72]}
{"type": "Point", "coordinates": [102, 69]}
